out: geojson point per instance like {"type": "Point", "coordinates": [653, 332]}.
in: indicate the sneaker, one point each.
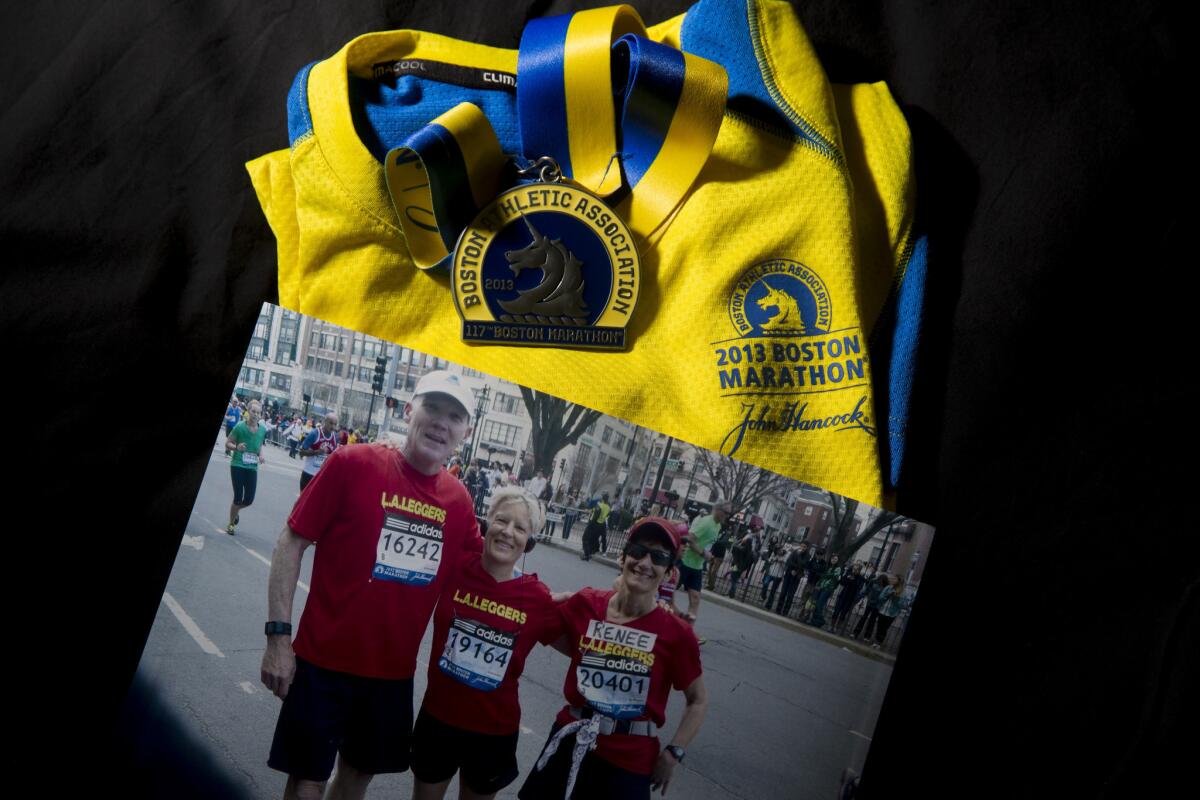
{"type": "Point", "coordinates": [701, 640]}
{"type": "Point", "coordinates": [229, 529]}
{"type": "Point", "coordinates": [875, 645]}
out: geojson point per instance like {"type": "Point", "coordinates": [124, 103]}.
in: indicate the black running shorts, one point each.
{"type": "Point", "coordinates": [367, 720]}
{"type": "Point", "coordinates": [488, 762]}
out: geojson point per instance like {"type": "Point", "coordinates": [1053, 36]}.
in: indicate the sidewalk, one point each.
{"type": "Point", "coordinates": [575, 545]}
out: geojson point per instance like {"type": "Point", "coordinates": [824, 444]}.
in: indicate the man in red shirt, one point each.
{"type": "Point", "coordinates": [392, 524]}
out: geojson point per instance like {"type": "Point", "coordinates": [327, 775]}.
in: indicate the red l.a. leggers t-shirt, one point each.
{"type": "Point", "coordinates": [626, 671]}
{"type": "Point", "coordinates": [482, 632]}
{"type": "Point", "coordinates": [387, 537]}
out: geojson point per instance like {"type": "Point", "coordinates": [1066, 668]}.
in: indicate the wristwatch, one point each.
{"type": "Point", "coordinates": [274, 628]}
{"type": "Point", "coordinates": [676, 751]}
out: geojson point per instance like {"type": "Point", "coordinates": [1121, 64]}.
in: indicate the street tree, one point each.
{"type": "Point", "coordinates": [844, 541]}
{"type": "Point", "coordinates": [556, 424]}
{"type": "Point", "coordinates": [742, 484]}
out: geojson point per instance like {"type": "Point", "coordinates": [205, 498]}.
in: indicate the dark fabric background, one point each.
{"type": "Point", "coordinates": [1054, 644]}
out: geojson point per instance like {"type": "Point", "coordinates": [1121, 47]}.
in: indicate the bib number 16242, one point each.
{"type": "Point", "coordinates": [409, 550]}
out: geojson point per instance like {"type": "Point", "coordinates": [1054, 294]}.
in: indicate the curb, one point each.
{"type": "Point", "coordinates": [753, 611]}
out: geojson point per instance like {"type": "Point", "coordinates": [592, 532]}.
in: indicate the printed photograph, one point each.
{"type": "Point", "coordinates": [405, 577]}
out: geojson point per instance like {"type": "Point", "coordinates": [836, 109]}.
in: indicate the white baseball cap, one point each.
{"type": "Point", "coordinates": [443, 382]}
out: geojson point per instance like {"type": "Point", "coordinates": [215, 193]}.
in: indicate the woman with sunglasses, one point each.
{"type": "Point", "coordinates": [627, 653]}
{"type": "Point", "coordinates": [487, 620]}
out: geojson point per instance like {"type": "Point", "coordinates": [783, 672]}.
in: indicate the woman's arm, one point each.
{"type": "Point", "coordinates": [693, 716]}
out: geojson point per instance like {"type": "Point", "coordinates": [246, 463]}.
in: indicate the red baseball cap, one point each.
{"type": "Point", "coordinates": [665, 530]}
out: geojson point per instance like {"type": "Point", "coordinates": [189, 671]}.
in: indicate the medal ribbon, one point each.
{"type": "Point", "coordinates": [441, 176]}
{"type": "Point", "coordinates": [671, 104]}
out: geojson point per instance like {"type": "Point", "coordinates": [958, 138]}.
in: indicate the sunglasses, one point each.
{"type": "Point", "coordinates": [659, 558]}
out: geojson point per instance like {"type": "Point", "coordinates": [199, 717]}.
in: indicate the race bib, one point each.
{"type": "Point", "coordinates": [249, 458]}
{"type": "Point", "coordinates": [319, 460]}
{"type": "Point", "coordinates": [615, 677]}
{"type": "Point", "coordinates": [477, 654]}
{"type": "Point", "coordinates": [409, 550]}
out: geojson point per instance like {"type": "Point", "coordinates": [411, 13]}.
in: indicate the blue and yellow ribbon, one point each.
{"type": "Point", "coordinates": [624, 117]}
{"type": "Point", "coordinates": [440, 178]}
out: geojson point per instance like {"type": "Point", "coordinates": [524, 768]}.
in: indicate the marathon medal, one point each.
{"type": "Point", "coordinates": [546, 264]}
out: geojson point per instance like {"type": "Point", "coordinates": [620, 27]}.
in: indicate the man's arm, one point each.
{"type": "Point", "coordinates": [306, 444]}
{"type": "Point", "coordinates": [697, 548]}
{"type": "Point", "coordinates": [693, 716]}
{"type": "Point", "coordinates": [279, 660]}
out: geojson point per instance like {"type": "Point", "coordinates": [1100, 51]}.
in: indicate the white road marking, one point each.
{"type": "Point", "coordinates": [191, 627]}
{"type": "Point", "coordinates": [196, 542]}
{"type": "Point", "coordinates": [267, 561]}
{"type": "Point", "coordinates": [860, 735]}
{"type": "Point", "coordinates": [526, 730]}
{"type": "Point", "coordinates": [247, 687]}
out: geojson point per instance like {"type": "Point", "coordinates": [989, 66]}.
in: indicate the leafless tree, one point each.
{"type": "Point", "coordinates": [742, 484]}
{"type": "Point", "coordinates": [556, 424]}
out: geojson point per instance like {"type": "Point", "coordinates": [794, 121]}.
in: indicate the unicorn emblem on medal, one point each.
{"type": "Point", "coordinates": [558, 298]}
{"type": "Point", "coordinates": [546, 264]}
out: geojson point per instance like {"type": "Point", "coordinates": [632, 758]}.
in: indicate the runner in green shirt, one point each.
{"type": "Point", "coordinates": [245, 441]}
{"type": "Point", "coordinates": [703, 533]}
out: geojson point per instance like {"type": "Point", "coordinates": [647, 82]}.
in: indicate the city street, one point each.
{"type": "Point", "coordinates": [787, 712]}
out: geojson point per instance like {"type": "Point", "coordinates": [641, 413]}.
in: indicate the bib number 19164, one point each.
{"type": "Point", "coordinates": [476, 654]}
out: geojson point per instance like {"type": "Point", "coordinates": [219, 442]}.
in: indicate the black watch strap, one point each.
{"type": "Point", "coordinates": [274, 628]}
{"type": "Point", "coordinates": [676, 751]}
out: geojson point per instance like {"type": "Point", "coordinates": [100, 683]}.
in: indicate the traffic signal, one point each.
{"type": "Point", "coordinates": [380, 368]}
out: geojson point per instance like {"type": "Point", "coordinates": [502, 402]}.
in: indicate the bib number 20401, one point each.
{"type": "Point", "coordinates": [409, 550]}
{"type": "Point", "coordinates": [614, 686]}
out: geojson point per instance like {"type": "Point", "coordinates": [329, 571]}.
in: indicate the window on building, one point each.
{"type": "Point", "coordinates": [808, 511]}
{"type": "Point", "coordinates": [251, 376]}
{"type": "Point", "coordinates": [337, 368]}
{"type": "Point", "coordinates": [891, 556]}
{"type": "Point", "coordinates": [504, 403]}
{"type": "Point", "coordinates": [499, 433]}
{"type": "Point", "coordinates": [281, 382]}
{"type": "Point", "coordinates": [606, 437]}
{"type": "Point", "coordinates": [321, 393]}
{"type": "Point", "coordinates": [824, 515]}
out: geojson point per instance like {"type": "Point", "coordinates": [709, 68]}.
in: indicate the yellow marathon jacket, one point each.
{"type": "Point", "coordinates": [779, 294]}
